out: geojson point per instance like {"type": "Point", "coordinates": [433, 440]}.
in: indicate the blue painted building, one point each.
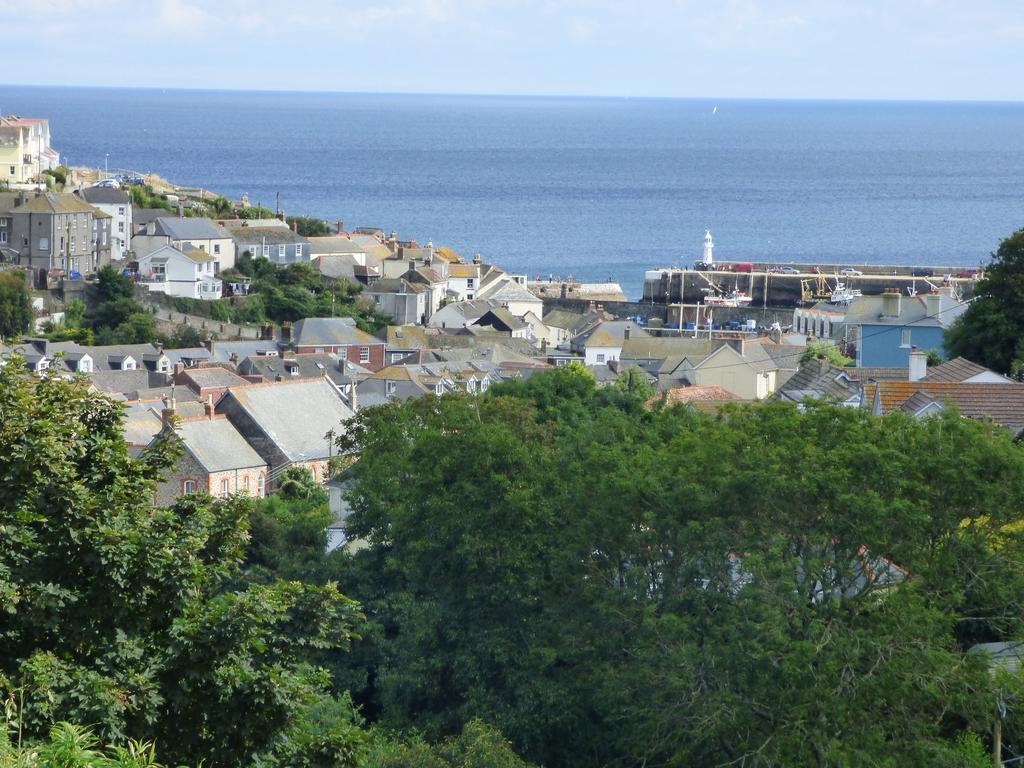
{"type": "Point", "coordinates": [885, 328]}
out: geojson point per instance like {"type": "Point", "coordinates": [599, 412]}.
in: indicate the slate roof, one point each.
{"type": "Point", "coordinates": [502, 317]}
{"type": "Point", "coordinates": [254, 235]}
{"type": "Point", "coordinates": [214, 376]}
{"type": "Point", "coordinates": [330, 331]}
{"type": "Point", "coordinates": [958, 369]}
{"type": "Point", "coordinates": [305, 367]}
{"type": "Point", "coordinates": [868, 310]}
{"type": "Point", "coordinates": [511, 291]}
{"type": "Point", "coordinates": [610, 333]}
{"type": "Point", "coordinates": [105, 196]}
{"type": "Point", "coordinates": [295, 416]}
{"type": "Point", "coordinates": [403, 337]}
{"type": "Point", "coordinates": [818, 380]}
{"type": "Point", "coordinates": [217, 445]}
{"type": "Point", "coordinates": [127, 382]}
{"type": "Point", "coordinates": [1001, 403]}
{"type": "Point", "coordinates": [49, 202]}
{"type": "Point", "coordinates": [195, 228]}
{"type": "Point", "coordinates": [562, 318]}
{"type": "Point", "coordinates": [334, 244]}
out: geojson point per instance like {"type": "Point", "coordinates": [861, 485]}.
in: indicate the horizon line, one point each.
{"type": "Point", "coordinates": [497, 95]}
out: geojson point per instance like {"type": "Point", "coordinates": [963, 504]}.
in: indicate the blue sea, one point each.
{"type": "Point", "coordinates": [595, 188]}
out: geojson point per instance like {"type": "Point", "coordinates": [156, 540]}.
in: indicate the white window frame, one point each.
{"type": "Point", "coordinates": [905, 337]}
{"type": "Point", "coordinates": [281, 251]}
{"type": "Point", "coordinates": [261, 485]}
{"type": "Point", "coordinates": [225, 486]}
{"type": "Point", "coordinates": [44, 243]}
{"type": "Point", "coordinates": [364, 354]}
{"type": "Point", "coordinates": [188, 486]}
{"type": "Point", "coordinates": [599, 357]}
{"type": "Point", "coordinates": [298, 250]}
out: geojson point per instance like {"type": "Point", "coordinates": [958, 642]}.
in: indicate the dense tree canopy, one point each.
{"type": "Point", "coordinates": [611, 586]}
{"type": "Point", "coordinates": [135, 621]}
{"type": "Point", "coordinates": [991, 331]}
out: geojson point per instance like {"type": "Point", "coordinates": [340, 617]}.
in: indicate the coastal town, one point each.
{"type": "Point", "coordinates": [251, 401]}
{"type": "Point", "coordinates": [511, 385]}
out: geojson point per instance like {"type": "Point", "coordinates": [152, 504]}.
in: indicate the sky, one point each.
{"type": "Point", "coordinates": [843, 49]}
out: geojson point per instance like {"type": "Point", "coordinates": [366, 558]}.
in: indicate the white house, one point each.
{"type": "Point", "coordinates": [118, 204]}
{"type": "Point", "coordinates": [180, 273]}
{"type": "Point", "coordinates": [183, 233]}
{"type": "Point", "coordinates": [603, 343]}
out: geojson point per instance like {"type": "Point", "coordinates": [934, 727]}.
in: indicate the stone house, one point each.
{"type": "Point", "coordinates": [215, 459]}
{"type": "Point", "coordinates": [289, 423]}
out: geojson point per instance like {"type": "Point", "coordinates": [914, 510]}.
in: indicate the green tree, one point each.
{"type": "Point", "coordinates": [307, 226]}
{"type": "Point", "coordinates": [608, 585]}
{"type": "Point", "coordinates": [824, 350]}
{"type": "Point", "coordinates": [15, 307]}
{"type": "Point", "coordinates": [478, 745]}
{"type": "Point", "coordinates": [991, 331]}
{"type": "Point", "coordinates": [136, 620]}
{"type": "Point", "coordinates": [111, 285]}
{"type": "Point", "coordinates": [74, 313]}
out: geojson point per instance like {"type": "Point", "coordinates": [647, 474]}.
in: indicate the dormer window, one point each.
{"type": "Point", "coordinates": [390, 387]}
{"type": "Point", "coordinates": [438, 388]}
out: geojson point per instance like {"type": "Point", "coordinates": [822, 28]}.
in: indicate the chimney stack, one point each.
{"type": "Point", "coordinates": [170, 409]}
{"type": "Point", "coordinates": [625, 333]}
{"type": "Point", "coordinates": [918, 364]}
{"type": "Point", "coordinates": [891, 302]}
{"type": "Point", "coordinates": [286, 332]}
{"type": "Point", "coordinates": [477, 259]}
{"type": "Point", "coordinates": [933, 304]}
{"type": "Point", "coordinates": [353, 401]}
{"type": "Point", "coordinates": [211, 345]}
{"type": "Point", "coordinates": [208, 406]}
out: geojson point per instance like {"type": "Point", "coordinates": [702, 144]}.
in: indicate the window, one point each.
{"type": "Point", "coordinates": [600, 358]}
{"type": "Point", "coordinates": [280, 252]}
{"type": "Point", "coordinates": [266, 251]}
{"type": "Point", "coordinates": [72, 242]}
{"type": "Point", "coordinates": [364, 354]}
{"type": "Point", "coordinates": [120, 211]}
{"type": "Point", "coordinates": [12, 170]}
{"type": "Point", "coordinates": [318, 350]}
{"type": "Point", "coordinates": [3, 237]}
{"type": "Point", "coordinates": [188, 486]}
{"type": "Point", "coordinates": [396, 356]}
{"type": "Point", "coordinates": [261, 485]}
{"type": "Point", "coordinates": [438, 388]}
{"type": "Point", "coordinates": [3, 223]}
{"type": "Point", "coordinates": [343, 353]}
{"type": "Point", "coordinates": [216, 247]}
{"type": "Point", "coordinates": [905, 337]}
{"type": "Point", "coordinates": [245, 483]}
{"type": "Point", "coordinates": [225, 487]}
{"type": "Point", "coordinates": [298, 250]}
{"type": "Point", "coordinates": [484, 384]}
{"type": "Point", "coordinates": [44, 243]}
{"type": "Point", "coordinates": [390, 387]}
{"type": "Point", "coordinates": [469, 282]}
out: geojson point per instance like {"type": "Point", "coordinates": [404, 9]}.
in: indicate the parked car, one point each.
{"type": "Point", "coordinates": [789, 271]}
{"type": "Point", "coordinates": [134, 181]}
{"type": "Point", "coordinates": [700, 266]}
{"type": "Point", "coordinates": [742, 267]}
{"type": "Point", "coordinates": [921, 272]}
{"type": "Point", "coordinates": [969, 274]}
{"type": "Point", "coordinates": [108, 184]}
{"type": "Point", "coordinates": [851, 272]}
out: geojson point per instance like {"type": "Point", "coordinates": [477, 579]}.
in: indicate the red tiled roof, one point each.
{"type": "Point", "coordinates": [1000, 403]}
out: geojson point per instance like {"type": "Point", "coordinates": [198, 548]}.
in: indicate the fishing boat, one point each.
{"type": "Point", "coordinates": [736, 298]}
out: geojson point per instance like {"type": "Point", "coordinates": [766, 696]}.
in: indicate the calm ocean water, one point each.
{"type": "Point", "coordinates": [595, 188]}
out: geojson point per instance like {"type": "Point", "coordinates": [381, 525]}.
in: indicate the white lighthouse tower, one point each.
{"type": "Point", "coordinates": [709, 246]}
